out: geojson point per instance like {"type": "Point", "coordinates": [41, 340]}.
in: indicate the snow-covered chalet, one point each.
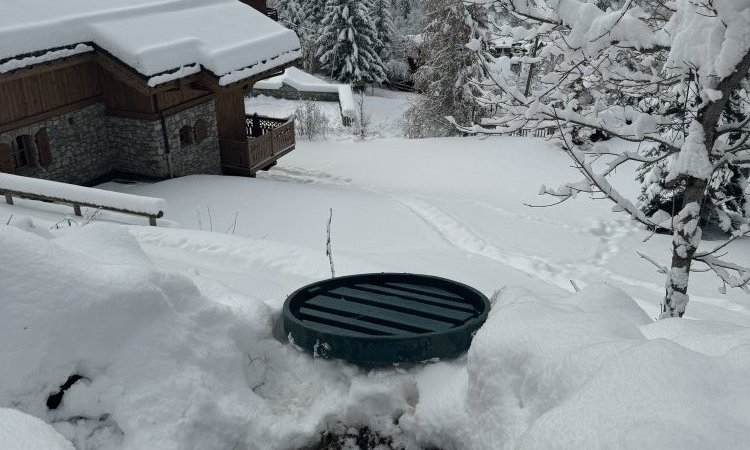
{"type": "Point", "coordinates": [147, 87]}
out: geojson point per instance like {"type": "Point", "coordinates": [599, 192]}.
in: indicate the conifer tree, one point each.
{"type": "Point", "coordinates": [455, 53]}
{"type": "Point", "coordinates": [383, 15]}
{"type": "Point", "coordinates": [348, 44]}
{"type": "Point", "coordinates": [304, 17]}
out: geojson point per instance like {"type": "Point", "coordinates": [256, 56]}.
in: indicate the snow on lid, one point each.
{"type": "Point", "coordinates": [154, 37]}
{"type": "Point", "coordinates": [129, 202]}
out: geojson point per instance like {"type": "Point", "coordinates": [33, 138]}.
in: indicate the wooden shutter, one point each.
{"type": "Point", "coordinates": [201, 130]}
{"type": "Point", "coordinates": [43, 148]}
{"type": "Point", "coordinates": [6, 159]}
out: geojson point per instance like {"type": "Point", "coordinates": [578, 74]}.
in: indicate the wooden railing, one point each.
{"type": "Point", "coordinates": [541, 132]}
{"type": "Point", "coordinates": [13, 186]}
{"type": "Point", "coordinates": [273, 139]}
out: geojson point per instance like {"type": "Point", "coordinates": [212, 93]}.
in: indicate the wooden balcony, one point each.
{"type": "Point", "coordinates": [273, 139]}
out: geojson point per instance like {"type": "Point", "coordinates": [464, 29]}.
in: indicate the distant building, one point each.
{"type": "Point", "coordinates": [146, 87]}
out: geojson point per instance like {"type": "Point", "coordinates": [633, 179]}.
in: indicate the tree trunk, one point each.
{"type": "Point", "coordinates": [687, 232]}
{"type": "Point", "coordinates": [685, 241]}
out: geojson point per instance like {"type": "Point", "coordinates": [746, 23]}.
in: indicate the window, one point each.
{"type": "Point", "coordinates": [186, 136]}
{"type": "Point", "coordinates": [43, 150]}
{"type": "Point", "coordinates": [201, 130]}
{"type": "Point", "coordinates": [20, 151]}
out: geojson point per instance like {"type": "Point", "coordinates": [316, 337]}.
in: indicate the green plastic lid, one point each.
{"type": "Point", "coordinates": [384, 318]}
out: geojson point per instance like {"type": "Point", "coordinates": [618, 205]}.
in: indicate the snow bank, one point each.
{"type": "Point", "coordinates": [163, 39]}
{"type": "Point", "coordinates": [593, 371]}
{"type": "Point", "coordinates": [164, 366]}
{"type": "Point", "coordinates": [81, 194]}
{"type": "Point", "coordinates": [160, 370]}
{"type": "Point", "coordinates": [19, 431]}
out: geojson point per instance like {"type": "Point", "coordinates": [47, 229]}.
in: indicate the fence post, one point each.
{"type": "Point", "coordinates": [152, 221]}
{"type": "Point", "coordinates": [77, 209]}
{"type": "Point", "coordinates": [8, 198]}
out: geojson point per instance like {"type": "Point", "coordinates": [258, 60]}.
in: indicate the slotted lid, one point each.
{"type": "Point", "coordinates": [384, 318]}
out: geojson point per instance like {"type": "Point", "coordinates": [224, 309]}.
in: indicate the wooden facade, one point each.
{"type": "Point", "coordinates": [48, 91]}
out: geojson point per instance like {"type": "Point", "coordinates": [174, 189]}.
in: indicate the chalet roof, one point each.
{"type": "Point", "coordinates": [162, 40]}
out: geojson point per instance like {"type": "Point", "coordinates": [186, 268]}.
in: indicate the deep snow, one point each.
{"type": "Point", "coordinates": [172, 326]}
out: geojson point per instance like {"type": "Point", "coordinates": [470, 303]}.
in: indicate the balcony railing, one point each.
{"type": "Point", "coordinates": [268, 139]}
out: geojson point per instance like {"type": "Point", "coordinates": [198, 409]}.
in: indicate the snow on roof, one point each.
{"type": "Point", "coordinates": [296, 78]}
{"type": "Point", "coordinates": [161, 39]}
{"type": "Point", "coordinates": [305, 82]}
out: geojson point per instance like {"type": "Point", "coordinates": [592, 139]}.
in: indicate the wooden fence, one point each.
{"type": "Point", "coordinates": [13, 187]}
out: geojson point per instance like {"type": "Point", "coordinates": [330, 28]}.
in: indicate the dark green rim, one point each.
{"type": "Point", "coordinates": [378, 349]}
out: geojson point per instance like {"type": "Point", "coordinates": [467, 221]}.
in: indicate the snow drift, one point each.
{"type": "Point", "coordinates": [593, 371]}
{"type": "Point", "coordinates": [164, 364]}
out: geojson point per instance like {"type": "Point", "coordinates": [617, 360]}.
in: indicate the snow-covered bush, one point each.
{"type": "Point", "coordinates": [310, 120]}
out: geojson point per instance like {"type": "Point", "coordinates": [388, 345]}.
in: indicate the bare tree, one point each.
{"type": "Point", "coordinates": [643, 72]}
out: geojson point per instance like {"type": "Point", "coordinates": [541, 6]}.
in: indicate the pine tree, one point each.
{"type": "Point", "coordinates": [382, 13]}
{"type": "Point", "coordinates": [455, 51]}
{"type": "Point", "coordinates": [304, 18]}
{"type": "Point", "coordinates": [348, 43]}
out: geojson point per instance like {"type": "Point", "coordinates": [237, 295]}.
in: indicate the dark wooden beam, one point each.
{"type": "Point", "coordinates": [26, 121]}
{"type": "Point", "coordinates": [49, 66]}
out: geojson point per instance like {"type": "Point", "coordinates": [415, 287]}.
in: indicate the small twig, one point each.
{"type": "Point", "coordinates": [9, 219]}
{"type": "Point", "coordinates": [198, 213]}
{"type": "Point", "coordinates": [575, 286]}
{"type": "Point", "coordinates": [210, 219]}
{"type": "Point", "coordinates": [329, 252]}
{"type": "Point", "coordinates": [496, 295]}
{"type": "Point", "coordinates": [233, 225]}
{"type": "Point", "coordinates": [661, 269]}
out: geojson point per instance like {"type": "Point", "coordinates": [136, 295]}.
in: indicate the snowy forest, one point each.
{"type": "Point", "coordinates": [374, 224]}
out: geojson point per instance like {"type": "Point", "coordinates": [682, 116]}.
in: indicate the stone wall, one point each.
{"type": "Point", "coordinates": [140, 144]}
{"type": "Point", "coordinates": [199, 157]}
{"type": "Point", "coordinates": [78, 144]}
{"type": "Point", "coordinates": [87, 144]}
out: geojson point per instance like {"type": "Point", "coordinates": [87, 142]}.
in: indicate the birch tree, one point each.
{"type": "Point", "coordinates": [655, 73]}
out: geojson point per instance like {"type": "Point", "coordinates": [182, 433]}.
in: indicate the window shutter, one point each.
{"type": "Point", "coordinates": [6, 159]}
{"type": "Point", "coordinates": [201, 130]}
{"type": "Point", "coordinates": [43, 148]}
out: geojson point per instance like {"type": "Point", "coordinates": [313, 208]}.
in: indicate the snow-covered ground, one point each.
{"type": "Point", "coordinates": [383, 108]}
{"type": "Point", "coordinates": [171, 327]}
